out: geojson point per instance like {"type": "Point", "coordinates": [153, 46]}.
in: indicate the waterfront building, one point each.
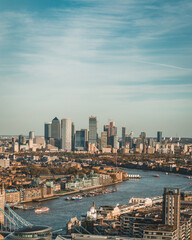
{"type": "Point", "coordinates": [31, 134]}
{"type": "Point", "coordinates": [66, 125]}
{"type": "Point", "coordinates": [159, 136]}
{"type": "Point", "coordinates": [47, 130]}
{"type": "Point", "coordinates": [93, 130]}
{"type": "Point", "coordinates": [123, 136]}
{"type": "Point", "coordinates": [31, 233]}
{"type": "Point", "coordinates": [86, 181]}
{"type": "Point", "coordinates": [171, 207]}
{"type": "Point", "coordinates": [12, 196]}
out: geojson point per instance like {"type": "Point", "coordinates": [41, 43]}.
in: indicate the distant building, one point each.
{"type": "Point", "coordinates": [5, 162]}
{"type": "Point", "coordinates": [47, 130]}
{"type": "Point", "coordinates": [123, 136]}
{"type": "Point", "coordinates": [93, 130]}
{"type": "Point", "coordinates": [31, 134]}
{"type": "Point", "coordinates": [159, 137]}
{"type": "Point", "coordinates": [73, 136]}
{"type": "Point", "coordinates": [55, 129]}
{"type": "Point", "coordinates": [66, 134]}
{"type": "Point", "coordinates": [81, 140]}
{"type": "Point", "coordinates": [103, 140]}
{"type": "Point", "coordinates": [22, 140]}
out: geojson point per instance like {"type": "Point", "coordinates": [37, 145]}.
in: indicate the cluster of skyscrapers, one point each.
{"type": "Point", "coordinates": [63, 135]}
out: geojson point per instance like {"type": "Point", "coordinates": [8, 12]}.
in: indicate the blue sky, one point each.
{"type": "Point", "coordinates": [129, 61]}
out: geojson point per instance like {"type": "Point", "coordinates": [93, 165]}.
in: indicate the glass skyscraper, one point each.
{"type": "Point", "coordinates": [93, 130]}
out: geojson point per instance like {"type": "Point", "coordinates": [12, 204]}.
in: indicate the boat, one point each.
{"type": "Point", "coordinates": [42, 210]}
{"type": "Point", "coordinates": [156, 175]}
{"type": "Point", "coordinates": [167, 173]}
{"type": "Point", "coordinates": [68, 199]}
{"type": "Point", "coordinates": [189, 177]}
{"type": "Point", "coordinates": [78, 197]}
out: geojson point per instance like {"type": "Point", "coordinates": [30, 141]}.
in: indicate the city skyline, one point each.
{"type": "Point", "coordinates": [127, 61]}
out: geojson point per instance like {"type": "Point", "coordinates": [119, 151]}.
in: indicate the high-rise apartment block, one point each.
{"type": "Point", "coordinates": [171, 207]}
{"type": "Point", "coordinates": [93, 130]}
{"type": "Point", "coordinates": [66, 134]}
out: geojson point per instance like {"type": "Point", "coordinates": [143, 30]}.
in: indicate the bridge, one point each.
{"type": "Point", "coordinates": [10, 220]}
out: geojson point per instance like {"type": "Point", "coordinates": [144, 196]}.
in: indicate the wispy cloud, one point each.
{"type": "Point", "coordinates": [104, 51]}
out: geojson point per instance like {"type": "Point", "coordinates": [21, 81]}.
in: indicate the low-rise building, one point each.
{"type": "Point", "coordinates": [12, 196]}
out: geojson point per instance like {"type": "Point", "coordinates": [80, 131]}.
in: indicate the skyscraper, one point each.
{"type": "Point", "coordinates": [47, 130]}
{"type": "Point", "coordinates": [103, 140]}
{"type": "Point", "coordinates": [93, 130]}
{"type": "Point", "coordinates": [55, 129]}
{"type": "Point", "coordinates": [81, 140]}
{"type": "Point", "coordinates": [31, 135]}
{"type": "Point", "coordinates": [123, 136]}
{"type": "Point", "coordinates": [159, 136]}
{"type": "Point", "coordinates": [73, 136]}
{"type": "Point", "coordinates": [66, 134]}
{"type": "Point", "coordinates": [171, 207]}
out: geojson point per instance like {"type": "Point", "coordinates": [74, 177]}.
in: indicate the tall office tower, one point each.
{"type": "Point", "coordinates": [159, 137]}
{"type": "Point", "coordinates": [114, 141]}
{"type": "Point", "coordinates": [106, 129]}
{"type": "Point", "coordinates": [73, 136]}
{"type": "Point", "coordinates": [93, 130]}
{"type": "Point", "coordinates": [22, 140]}
{"type": "Point", "coordinates": [103, 140]}
{"type": "Point", "coordinates": [81, 140]}
{"type": "Point", "coordinates": [113, 129]}
{"type": "Point", "coordinates": [123, 136]}
{"type": "Point", "coordinates": [47, 130]}
{"type": "Point", "coordinates": [2, 205]}
{"type": "Point", "coordinates": [55, 128]}
{"type": "Point", "coordinates": [171, 207]}
{"type": "Point", "coordinates": [31, 134]}
{"type": "Point", "coordinates": [66, 134]}
{"type": "Point", "coordinates": [55, 132]}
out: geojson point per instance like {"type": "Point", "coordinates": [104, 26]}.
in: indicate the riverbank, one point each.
{"type": "Point", "coordinates": [83, 190]}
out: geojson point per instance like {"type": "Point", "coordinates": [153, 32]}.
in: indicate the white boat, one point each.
{"type": "Point", "coordinates": [78, 197]}
{"type": "Point", "coordinates": [42, 210]}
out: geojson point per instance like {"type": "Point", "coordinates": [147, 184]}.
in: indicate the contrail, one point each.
{"type": "Point", "coordinates": [164, 65]}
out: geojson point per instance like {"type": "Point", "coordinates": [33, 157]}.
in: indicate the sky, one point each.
{"type": "Point", "coordinates": [127, 61]}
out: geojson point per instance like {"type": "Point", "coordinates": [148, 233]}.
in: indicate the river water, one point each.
{"type": "Point", "coordinates": [148, 186]}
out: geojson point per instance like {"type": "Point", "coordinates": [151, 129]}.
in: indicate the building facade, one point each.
{"type": "Point", "coordinates": [66, 125]}
{"type": "Point", "coordinates": [93, 130]}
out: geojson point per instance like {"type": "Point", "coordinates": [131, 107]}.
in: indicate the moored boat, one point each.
{"type": "Point", "coordinates": [42, 210]}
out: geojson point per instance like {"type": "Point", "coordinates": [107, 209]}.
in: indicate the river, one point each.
{"type": "Point", "coordinates": [148, 186]}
